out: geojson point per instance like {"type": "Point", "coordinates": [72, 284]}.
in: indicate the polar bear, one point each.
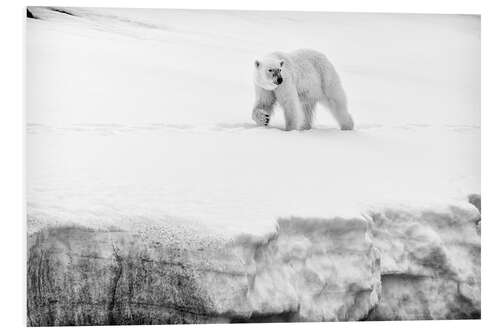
{"type": "Point", "coordinates": [298, 81]}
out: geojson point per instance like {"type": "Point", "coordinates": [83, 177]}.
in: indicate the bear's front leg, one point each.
{"type": "Point", "coordinates": [263, 107]}
{"type": "Point", "coordinates": [261, 117]}
{"type": "Point", "coordinates": [289, 121]}
{"type": "Point", "coordinates": [289, 100]}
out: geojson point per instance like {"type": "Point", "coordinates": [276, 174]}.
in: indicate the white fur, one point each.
{"type": "Point", "coordinates": [259, 75]}
{"type": "Point", "coordinates": [308, 78]}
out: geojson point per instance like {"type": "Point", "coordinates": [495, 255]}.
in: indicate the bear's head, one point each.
{"type": "Point", "coordinates": [267, 74]}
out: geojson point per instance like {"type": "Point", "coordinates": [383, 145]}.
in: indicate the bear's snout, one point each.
{"type": "Point", "coordinates": [279, 80]}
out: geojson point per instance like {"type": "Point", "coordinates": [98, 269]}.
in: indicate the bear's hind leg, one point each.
{"type": "Point", "coordinates": [336, 102]}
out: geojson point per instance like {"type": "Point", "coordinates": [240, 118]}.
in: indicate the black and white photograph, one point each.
{"type": "Point", "coordinates": [211, 166]}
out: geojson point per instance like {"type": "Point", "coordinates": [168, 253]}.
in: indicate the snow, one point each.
{"type": "Point", "coordinates": [144, 66]}
{"type": "Point", "coordinates": [147, 113]}
{"type": "Point", "coordinates": [140, 120]}
{"type": "Point", "coordinates": [241, 178]}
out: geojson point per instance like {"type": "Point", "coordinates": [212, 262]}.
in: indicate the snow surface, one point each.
{"type": "Point", "coordinates": [144, 116]}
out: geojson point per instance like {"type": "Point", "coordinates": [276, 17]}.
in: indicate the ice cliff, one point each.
{"type": "Point", "coordinates": [392, 264]}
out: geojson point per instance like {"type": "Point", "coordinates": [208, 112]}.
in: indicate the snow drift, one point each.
{"type": "Point", "coordinates": [152, 198]}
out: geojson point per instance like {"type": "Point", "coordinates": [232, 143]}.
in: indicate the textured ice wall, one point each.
{"type": "Point", "coordinates": [431, 263]}
{"type": "Point", "coordinates": [392, 265]}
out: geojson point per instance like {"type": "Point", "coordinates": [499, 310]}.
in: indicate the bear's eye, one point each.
{"type": "Point", "coordinates": [269, 70]}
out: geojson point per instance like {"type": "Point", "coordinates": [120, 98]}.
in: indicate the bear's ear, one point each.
{"type": "Point", "coordinates": [257, 63]}
{"type": "Point", "coordinates": [281, 63]}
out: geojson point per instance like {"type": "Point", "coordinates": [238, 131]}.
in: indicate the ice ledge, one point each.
{"type": "Point", "coordinates": [392, 264]}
